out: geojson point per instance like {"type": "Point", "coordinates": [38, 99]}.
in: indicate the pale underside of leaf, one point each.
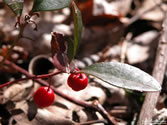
{"type": "Point", "coordinates": [123, 75]}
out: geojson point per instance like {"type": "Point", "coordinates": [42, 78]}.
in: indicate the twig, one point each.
{"type": "Point", "coordinates": [150, 101]}
{"type": "Point", "coordinates": [124, 47]}
{"type": "Point", "coordinates": [32, 77]}
{"type": "Point", "coordinates": [104, 113]}
{"type": "Point", "coordinates": [136, 17]}
{"type": "Point", "coordinates": [61, 94]}
{"type": "Point", "coordinates": [92, 122]}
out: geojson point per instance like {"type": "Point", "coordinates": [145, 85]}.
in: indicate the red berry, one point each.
{"type": "Point", "coordinates": [77, 81]}
{"type": "Point", "coordinates": [44, 97]}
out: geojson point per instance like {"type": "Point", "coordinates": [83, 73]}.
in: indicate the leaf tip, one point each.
{"type": "Point", "coordinates": [158, 87]}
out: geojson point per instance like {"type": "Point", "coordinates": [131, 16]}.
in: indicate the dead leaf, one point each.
{"type": "Point", "coordinates": [32, 110]}
{"type": "Point", "coordinates": [45, 117]}
{"type": "Point", "coordinates": [21, 119]}
{"type": "Point", "coordinates": [14, 93]}
{"type": "Point", "coordinates": [59, 47]}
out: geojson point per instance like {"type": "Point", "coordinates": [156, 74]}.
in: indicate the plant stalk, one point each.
{"type": "Point", "coordinates": [13, 44]}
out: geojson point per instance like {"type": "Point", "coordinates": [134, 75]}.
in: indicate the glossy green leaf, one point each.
{"type": "Point", "coordinates": [123, 75]}
{"type": "Point", "coordinates": [77, 26]}
{"type": "Point", "coordinates": [48, 5]}
{"type": "Point", "coordinates": [15, 5]}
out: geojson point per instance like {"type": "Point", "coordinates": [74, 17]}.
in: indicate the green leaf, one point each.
{"type": "Point", "coordinates": [123, 75]}
{"type": "Point", "coordinates": [15, 5]}
{"type": "Point", "coordinates": [70, 50]}
{"type": "Point", "coordinates": [77, 26]}
{"type": "Point", "coordinates": [48, 5]}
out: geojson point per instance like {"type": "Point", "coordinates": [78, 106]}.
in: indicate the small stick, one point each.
{"type": "Point", "coordinates": [138, 16]}
{"type": "Point", "coordinates": [31, 77]}
{"type": "Point", "coordinates": [92, 122]}
{"type": "Point", "coordinates": [151, 99]}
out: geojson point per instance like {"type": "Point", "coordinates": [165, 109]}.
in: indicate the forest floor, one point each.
{"type": "Point", "coordinates": [125, 31]}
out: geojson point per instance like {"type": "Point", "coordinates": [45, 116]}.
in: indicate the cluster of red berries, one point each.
{"type": "Point", "coordinates": [44, 96]}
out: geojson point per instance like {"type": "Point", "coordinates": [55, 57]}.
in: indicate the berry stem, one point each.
{"type": "Point", "coordinates": [50, 81]}
{"type": "Point", "coordinates": [80, 75]}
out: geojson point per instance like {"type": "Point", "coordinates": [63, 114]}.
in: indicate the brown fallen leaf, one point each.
{"type": "Point", "coordinates": [94, 13]}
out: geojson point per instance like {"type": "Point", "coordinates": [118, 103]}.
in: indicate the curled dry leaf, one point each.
{"type": "Point", "coordinates": [59, 49]}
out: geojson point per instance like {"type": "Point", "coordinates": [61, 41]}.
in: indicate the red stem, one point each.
{"type": "Point", "coordinates": [50, 80]}
{"type": "Point", "coordinates": [61, 94]}
{"type": "Point", "coordinates": [30, 77]}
